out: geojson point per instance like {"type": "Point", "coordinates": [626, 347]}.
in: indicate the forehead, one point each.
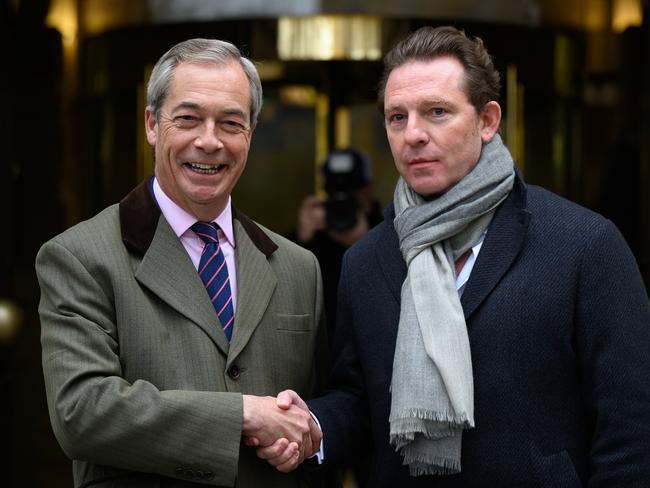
{"type": "Point", "coordinates": [441, 78]}
{"type": "Point", "coordinates": [209, 86]}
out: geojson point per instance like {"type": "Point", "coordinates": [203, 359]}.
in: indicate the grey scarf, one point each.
{"type": "Point", "coordinates": [432, 385]}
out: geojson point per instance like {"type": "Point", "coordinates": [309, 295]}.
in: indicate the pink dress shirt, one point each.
{"type": "Point", "coordinates": [180, 221]}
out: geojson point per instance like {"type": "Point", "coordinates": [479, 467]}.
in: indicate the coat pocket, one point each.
{"type": "Point", "coordinates": [295, 323]}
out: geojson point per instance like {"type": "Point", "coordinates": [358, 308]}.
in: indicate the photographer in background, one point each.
{"type": "Point", "coordinates": [328, 227]}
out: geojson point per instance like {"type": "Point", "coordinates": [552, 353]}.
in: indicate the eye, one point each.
{"type": "Point", "coordinates": [395, 118]}
{"type": "Point", "coordinates": [186, 120]}
{"type": "Point", "coordinates": [438, 112]}
{"type": "Point", "coordinates": [232, 126]}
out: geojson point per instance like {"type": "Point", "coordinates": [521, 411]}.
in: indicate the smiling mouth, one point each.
{"type": "Point", "coordinates": [205, 169]}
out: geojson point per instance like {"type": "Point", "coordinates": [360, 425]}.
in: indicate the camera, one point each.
{"type": "Point", "coordinates": [344, 172]}
{"type": "Point", "coordinates": [341, 210]}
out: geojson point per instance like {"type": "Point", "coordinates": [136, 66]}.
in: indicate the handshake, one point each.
{"type": "Point", "coordinates": [281, 429]}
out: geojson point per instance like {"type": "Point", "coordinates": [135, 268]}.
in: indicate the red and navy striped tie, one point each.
{"type": "Point", "coordinates": [214, 274]}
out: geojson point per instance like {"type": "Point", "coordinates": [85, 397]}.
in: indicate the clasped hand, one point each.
{"type": "Point", "coordinates": [282, 429]}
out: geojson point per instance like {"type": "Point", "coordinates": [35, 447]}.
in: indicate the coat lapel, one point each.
{"type": "Point", "coordinates": [389, 256]}
{"type": "Point", "coordinates": [256, 282]}
{"type": "Point", "coordinates": [164, 267]}
{"type": "Point", "coordinates": [167, 270]}
{"type": "Point", "coordinates": [502, 244]}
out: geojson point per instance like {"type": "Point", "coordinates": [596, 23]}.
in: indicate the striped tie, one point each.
{"type": "Point", "coordinates": [214, 274]}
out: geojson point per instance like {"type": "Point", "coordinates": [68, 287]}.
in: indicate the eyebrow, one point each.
{"type": "Point", "coordinates": [196, 106]}
{"type": "Point", "coordinates": [235, 111]}
{"type": "Point", "coordinates": [437, 102]}
{"type": "Point", "coordinates": [186, 105]}
{"type": "Point", "coordinates": [440, 101]}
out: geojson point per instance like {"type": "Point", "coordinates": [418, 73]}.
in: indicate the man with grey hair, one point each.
{"type": "Point", "coordinates": [170, 318]}
{"type": "Point", "coordinates": [489, 333]}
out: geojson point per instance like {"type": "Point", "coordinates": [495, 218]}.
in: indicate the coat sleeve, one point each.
{"type": "Point", "coordinates": [613, 340]}
{"type": "Point", "coordinates": [99, 417]}
{"type": "Point", "coordinates": [342, 410]}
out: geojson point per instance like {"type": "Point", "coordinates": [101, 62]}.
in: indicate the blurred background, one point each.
{"type": "Point", "coordinates": [576, 88]}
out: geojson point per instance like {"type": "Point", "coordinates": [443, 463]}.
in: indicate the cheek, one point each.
{"type": "Point", "coordinates": [468, 155]}
{"type": "Point", "coordinates": [240, 150]}
{"type": "Point", "coordinates": [175, 141]}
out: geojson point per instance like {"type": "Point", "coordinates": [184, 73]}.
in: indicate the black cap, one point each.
{"type": "Point", "coordinates": [346, 169]}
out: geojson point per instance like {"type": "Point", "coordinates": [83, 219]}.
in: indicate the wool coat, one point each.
{"type": "Point", "coordinates": [143, 388]}
{"type": "Point", "coordinates": [559, 329]}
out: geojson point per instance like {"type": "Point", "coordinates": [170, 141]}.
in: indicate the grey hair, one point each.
{"type": "Point", "coordinates": [200, 51]}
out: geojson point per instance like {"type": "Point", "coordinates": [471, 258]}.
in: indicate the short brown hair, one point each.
{"type": "Point", "coordinates": [482, 80]}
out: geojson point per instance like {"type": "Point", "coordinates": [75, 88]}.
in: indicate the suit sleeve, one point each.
{"type": "Point", "coordinates": [613, 340]}
{"type": "Point", "coordinates": [342, 411]}
{"type": "Point", "coordinates": [98, 416]}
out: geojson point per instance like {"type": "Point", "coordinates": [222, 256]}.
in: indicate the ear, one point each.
{"type": "Point", "coordinates": [150, 126]}
{"type": "Point", "coordinates": [489, 120]}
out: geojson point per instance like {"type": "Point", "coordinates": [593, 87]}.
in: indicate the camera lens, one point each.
{"type": "Point", "coordinates": [341, 208]}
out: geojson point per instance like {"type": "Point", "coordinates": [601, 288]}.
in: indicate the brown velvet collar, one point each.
{"type": "Point", "coordinates": [139, 214]}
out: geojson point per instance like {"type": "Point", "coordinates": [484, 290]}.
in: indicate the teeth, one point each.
{"type": "Point", "coordinates": [205, 168]}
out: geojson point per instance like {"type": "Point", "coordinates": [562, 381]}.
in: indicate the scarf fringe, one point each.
{"type": "Point", "coordinates": [420, 465]}
{"type": "Point", "coordinates": [461, 420]}
{"type": "Point", "coordinates": [432, 425]}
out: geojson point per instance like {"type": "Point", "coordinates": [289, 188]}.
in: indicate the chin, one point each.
{"type": "Point", "coordinates": [429, 189]}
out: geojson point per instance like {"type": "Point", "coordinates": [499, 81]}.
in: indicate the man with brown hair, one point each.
{"type": "Point", "coordinates": [489, 333]}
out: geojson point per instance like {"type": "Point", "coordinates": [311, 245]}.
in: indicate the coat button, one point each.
{"type": "Point", "coordinates": [208, 475]}
{"type": "Point", "coordinates": [234, 372]}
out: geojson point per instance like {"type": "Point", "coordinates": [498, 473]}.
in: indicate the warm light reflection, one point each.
{"type": "Point", "coordinates": [326, 37]}
{"type": "Point", "coordinates": [270, 70]}
{"type": "Point", "coordinates": [595, 14]}
{"type": "Point", "coordinates": [63, 17]}
{"type": "Point", "coordinates": [626, 13]}
{"type": "Point", "coordinates": [299, 95]}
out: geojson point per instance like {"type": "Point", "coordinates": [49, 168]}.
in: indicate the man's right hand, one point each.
{"type": "Point", "coordinates": [281, 425]}
{"type": "Point", "coordinates": [283, 453]}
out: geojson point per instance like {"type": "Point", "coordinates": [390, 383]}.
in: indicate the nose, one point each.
{"type": "Point", "coordinates": [415, 133]}
{"type": "Point", "coordinates": [208, 138]}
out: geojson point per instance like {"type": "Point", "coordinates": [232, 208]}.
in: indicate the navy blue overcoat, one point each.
{"type": "Point", "coordinates": [559, 328]}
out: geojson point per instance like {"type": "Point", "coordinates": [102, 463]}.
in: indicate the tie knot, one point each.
{"type": "Point", "coordinates": [207, 231]}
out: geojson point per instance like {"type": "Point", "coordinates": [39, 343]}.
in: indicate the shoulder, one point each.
{"type": "Point", "coordinates": [560, 218]}
{"type": "Point", "coordinates": [571, 234]}
{"type": "Point", "coordinates": [541, 199]}
{"type": "Point", "coordinates": [375, 254]}
{"type": "Point", "coordinates": [92, 247]}
{"type": "Point", "coordinates": [278, 249]}
{"type": "Point", "coordinates": [378, 234]}
{"type": "Point", "coordinates": [382, 236]}
{"type": "Point", "coordinates": [285, 245]}
{"type": "Point", "coordinates": [101, 230]}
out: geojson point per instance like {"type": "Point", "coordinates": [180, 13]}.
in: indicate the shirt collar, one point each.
{"type": "Point", "coordinates": [180, 220]}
